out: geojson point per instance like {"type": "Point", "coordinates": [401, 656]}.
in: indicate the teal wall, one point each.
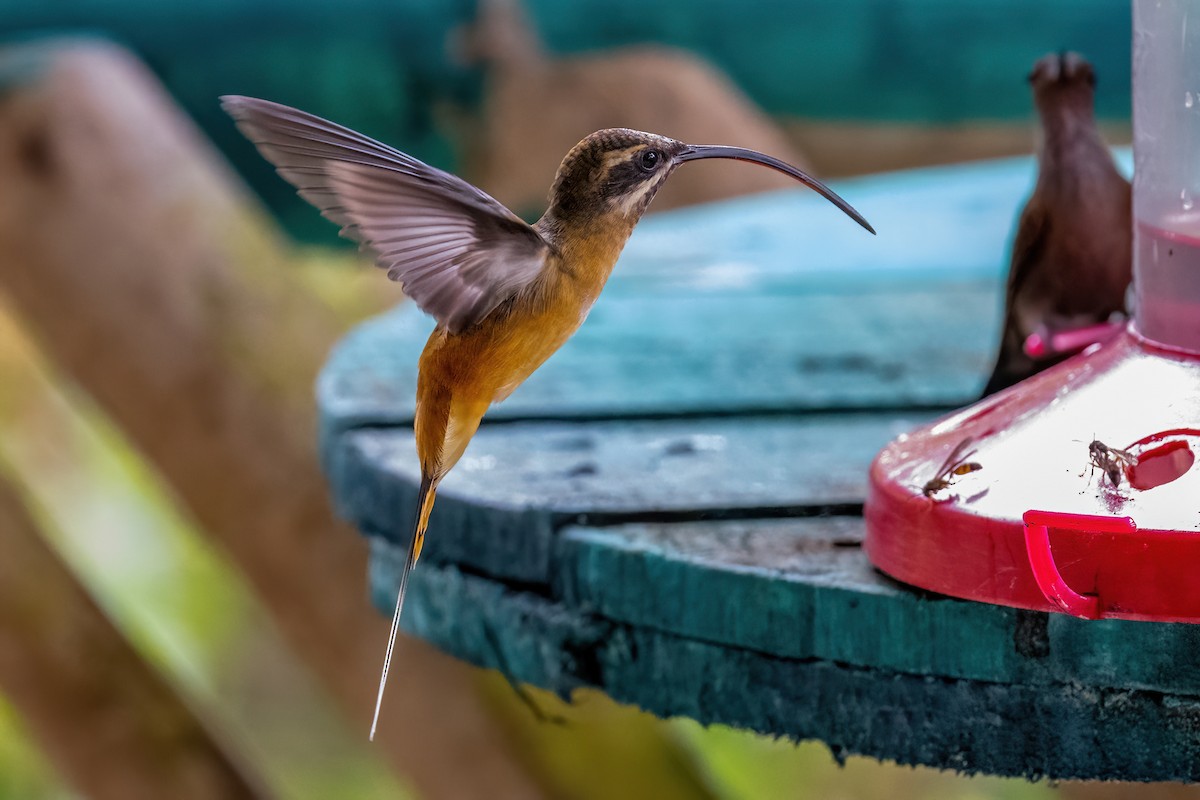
{"type": "Point", "coordinates": [911, 60]}
{"type": "Point", "coordinates": [382, 66]}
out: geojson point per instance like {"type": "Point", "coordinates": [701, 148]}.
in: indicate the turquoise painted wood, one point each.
{"type": "Point", "coordinates": [919, 332]}
{"type": "Point", "coordinates": [519, 484]}
{"type": "Point", "coordinates": [671, 509]}
{"type": "Point", "coordinates": [642, 356]}
{"type": "Point", "coordinates": [1069, 728]}
{"type": "Point", "coordinates": [735, 273]}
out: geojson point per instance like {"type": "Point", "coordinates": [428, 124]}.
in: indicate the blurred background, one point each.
{"type": "Point", "coordinates": [177, 600]}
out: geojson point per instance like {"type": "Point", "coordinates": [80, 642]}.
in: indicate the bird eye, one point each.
{"type": "Point", "coordinates": [649, 160]}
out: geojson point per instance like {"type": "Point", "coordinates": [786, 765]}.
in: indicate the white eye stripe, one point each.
{"type": "Point", "coordinates": [615, 157]}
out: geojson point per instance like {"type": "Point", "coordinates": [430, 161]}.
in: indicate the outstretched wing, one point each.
{"type": "Point", "coordinates": [458, 252]}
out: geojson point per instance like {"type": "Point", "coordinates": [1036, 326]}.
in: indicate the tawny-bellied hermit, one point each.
{"type": "Point", "coordinates": [505, 294]}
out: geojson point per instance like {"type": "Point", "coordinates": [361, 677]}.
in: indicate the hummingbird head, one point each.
{"type": "Point", "coordinates": [613, 174]}
{"type": "Point", "coordinates": [1063, 81]}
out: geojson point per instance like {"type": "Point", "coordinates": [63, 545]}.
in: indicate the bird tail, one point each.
{"type": "Point", "coordinates": [425, 497]}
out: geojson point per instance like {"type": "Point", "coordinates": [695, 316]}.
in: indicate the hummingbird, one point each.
{"type": "Point", "coordinates": [1072, 256]}
{"type": "Point", "coordinates": [505, 294]}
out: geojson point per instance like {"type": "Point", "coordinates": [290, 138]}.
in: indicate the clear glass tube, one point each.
{"type": "Point", "coordinates": [1166, 186]}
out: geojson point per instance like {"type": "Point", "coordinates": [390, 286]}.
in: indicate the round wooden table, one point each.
{"type": "Point", "coordinates": [670, 510]}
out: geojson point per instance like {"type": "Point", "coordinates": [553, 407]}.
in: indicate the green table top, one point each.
{"type": "Point", "coordinates": [670, 510]}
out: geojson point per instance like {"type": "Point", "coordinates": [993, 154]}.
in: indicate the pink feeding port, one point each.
{"type": "Point", "coordinates": [1041, 524]}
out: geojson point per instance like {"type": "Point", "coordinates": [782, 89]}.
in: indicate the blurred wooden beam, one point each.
{"type": "Point", "coordinates": [109, 723]}
{"type": "Point", "coordinates": [152, 280]}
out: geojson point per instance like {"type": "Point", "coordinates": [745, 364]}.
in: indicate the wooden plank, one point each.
{"type": "Point", "coordinates": [780, 263]}
{"type": "Point", "coordinates": [768, 302]}
{"type": "Point", "coordinates": [642, 355]}
{"type": "Point", "coordinates": [1065, 731]}
{"type": "Point", "coordinates": [498, 511]}
{"type": "Point", "coordinates": [802, 588]}
{"type": "Point", "coordinates": [484, 612]}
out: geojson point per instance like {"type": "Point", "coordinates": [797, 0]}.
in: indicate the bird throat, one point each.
{"type": "Point", "coordinates": [586, 253]}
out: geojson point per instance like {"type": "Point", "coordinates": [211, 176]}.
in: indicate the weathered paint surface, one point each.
{"type": "Point", "coordinates": [1063, 730]}
{"type": "Point", "coordinates": [670, 510]}
{"type": "Point", "coordinates": [519, 483]}
{"type": "Point", "coordinates": [775, 301]}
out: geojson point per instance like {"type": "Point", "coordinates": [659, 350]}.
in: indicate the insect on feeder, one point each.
{"type": "Point", "coordinates": [1041, 524]}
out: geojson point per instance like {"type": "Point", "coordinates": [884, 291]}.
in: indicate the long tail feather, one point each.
{"type": "Point", "coordinates": [425, 504]}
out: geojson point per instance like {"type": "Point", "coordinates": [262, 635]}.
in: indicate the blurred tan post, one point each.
{"type": "Point", "coordinates": [149, 277]}
{"type": "Point", "coordinates": [111, 725]}
{"type": "Point", "coordinates": [537, 106]}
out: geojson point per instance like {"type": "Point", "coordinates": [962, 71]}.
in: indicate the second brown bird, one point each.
{"type": "Point", "coordinates": [1072, 254]}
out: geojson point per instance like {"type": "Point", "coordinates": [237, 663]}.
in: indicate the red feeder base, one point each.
{"type": "Point", "coordinates": [1038, 526]}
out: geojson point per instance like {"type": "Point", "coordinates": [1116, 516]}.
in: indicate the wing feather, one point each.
{"type": "Point", "coordinates": [457, 251]}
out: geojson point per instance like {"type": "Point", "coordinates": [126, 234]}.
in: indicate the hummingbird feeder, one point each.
{"type": "Point", "coordinates": [1077, 490]}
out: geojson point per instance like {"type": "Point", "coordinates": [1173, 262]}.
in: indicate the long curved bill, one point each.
{"type": "Point", "coordinates": [697, 151]}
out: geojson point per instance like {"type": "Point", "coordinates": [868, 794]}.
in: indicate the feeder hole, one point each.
{"type": "Point", "coordinates": [1160, 465]}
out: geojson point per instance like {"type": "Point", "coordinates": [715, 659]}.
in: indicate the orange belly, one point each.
{"type": "Point", "coordinates": [461, 375]}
